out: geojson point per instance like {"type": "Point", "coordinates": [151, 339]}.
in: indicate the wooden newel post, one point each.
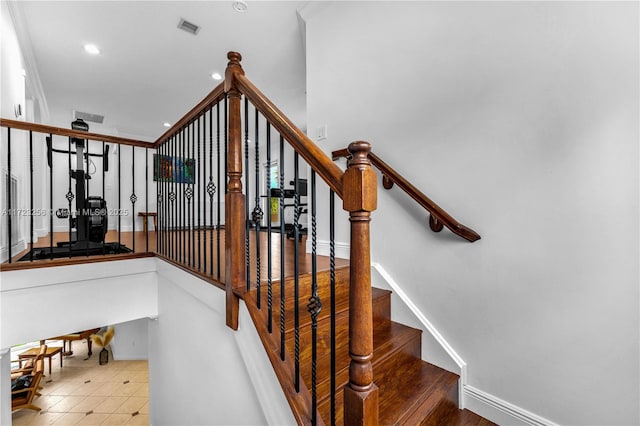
{"type": "Point", "coordinates": [234, 198]}
{"type": "Point", "coordinates": [360, 199]}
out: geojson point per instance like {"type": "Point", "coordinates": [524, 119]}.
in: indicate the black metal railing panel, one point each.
{"type": "Point", "coordinates": [191, 205]}
{"type": "Point", "coordinates": [62, 196]}
{"type": "Point", "coordinates": [281, 215]}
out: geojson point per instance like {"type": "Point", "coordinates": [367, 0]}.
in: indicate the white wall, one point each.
{"type": "Point", "coordinates": [521, 119]}
{"type": "Point", "coordinates": [196, 372]}
{"type": "Point", "coordinates": [12, 94]}
{"type": "Point", "coordinates": [40, 303]}
{"type": "Point", "coordinates": [160, 312]}
{"type": "Point", "coordinates": [132, 341]}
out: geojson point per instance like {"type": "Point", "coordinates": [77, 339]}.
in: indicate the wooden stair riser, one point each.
{"type": "Point", "coordinates": [411, 391]}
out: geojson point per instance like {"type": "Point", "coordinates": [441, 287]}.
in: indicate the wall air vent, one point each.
{"type": "Point", "coordinates": [188, 26]}
{"type": "Point", "coordinates": [94, 118]}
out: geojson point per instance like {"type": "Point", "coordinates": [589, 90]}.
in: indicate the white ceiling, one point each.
{"type": "Point", "coordinates": [149, 71]}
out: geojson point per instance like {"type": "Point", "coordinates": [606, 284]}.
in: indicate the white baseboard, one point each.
{"type": "Point", "coordinates": [21, 245]}
{"type": "Point", "coordinates": [426, 326]}
{"type": "Point", "coordinates": [499, 410]}
{"type": "Point", "coordinates": [476, 400]}
{"type": "Point", "coordinates": [323, 248]}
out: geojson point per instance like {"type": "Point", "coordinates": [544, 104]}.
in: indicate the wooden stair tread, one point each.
{"type": "Point", "coordinates": [411, 391]}
{"type": "Point", "coordinates": [459, 418]}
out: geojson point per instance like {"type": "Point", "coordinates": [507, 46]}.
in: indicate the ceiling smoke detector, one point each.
{"type": "Point", "coordinates": [188, 26]}
{"type": "Point", "coordinates": [240, 6]}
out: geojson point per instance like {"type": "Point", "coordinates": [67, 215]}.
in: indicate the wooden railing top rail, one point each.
{"type": "Point", "coordinates": [61, 131]}
{"type": "Point", "coordinates": [438, 216]}
{"type": "Point", "coordinates": [214, 96]}
{"type": "Point", "coordinates": [312, 154]}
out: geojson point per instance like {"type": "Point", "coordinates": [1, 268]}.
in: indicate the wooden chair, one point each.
{"type": "Point", "coordinates": [23, 398]}
{"type": "Point", "coordinates": [30, 364]}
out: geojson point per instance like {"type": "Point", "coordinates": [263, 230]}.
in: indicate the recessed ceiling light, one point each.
{"type": "Point", "coordinates": [91, 49]}
{"type": "Point", "coordinates": [216, 76]}
{"type": "Point", "coordinates": [167, 124]}
{"type": "Point", "coordinates": [240, 6]}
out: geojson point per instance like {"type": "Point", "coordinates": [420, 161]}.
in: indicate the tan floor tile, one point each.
{"type": "Point", "coordinates": [46, 401]}
{"type": "Point", "coordinates": [143, 391]}
{"type": "Point", "coordinates": [69, 419]}
{"type": "Point", "coordinates": [67, 389]}
{"type": "Point", "coordinates": [94, 419]}
{"type": "Point", "coordinates": [106, 389]}
{"type": "Point", "coordinates": [128, 389]}
{"type": "Point", "coordinates": [24, 417]}
{"type": "Point", "coordinates": [66, 404]}
{"type": "Point", "coordinates": [139, 376]}
{"type": "Point", "coordinates": [83, 385]}
{"type": "Point", "coordinates": [117, 419]}
{"type": "Point", "coordinates": [140, 419]}
{"type": "Point", "coordinates": [131, 405]}
{"type": "Point", "coordinates": [89, 404]}
{"type": "Point", "coordinates": [110, 404]}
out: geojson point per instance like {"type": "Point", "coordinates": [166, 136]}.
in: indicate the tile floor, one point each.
{"type": "Point", "coordinates": [83, 392]}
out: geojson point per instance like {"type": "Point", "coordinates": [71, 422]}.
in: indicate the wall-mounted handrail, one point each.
{"type": "Point", "coordinates": [311, 153]}
{"type": "Point", "coordinates": [61, 131]}
{"type": "Point", "coordinates": [438, 217]}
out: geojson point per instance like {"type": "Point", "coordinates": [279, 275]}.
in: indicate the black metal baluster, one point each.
{"type": "Point", "coordinates": [188, 191]}
{"type": "Point", "coordinates": [70, 197]}
{"type": "Point", "coordinates": [119, 195]}
{"type": "Point", "coordinates": [85, 195]}
{"type": "Point", "coordinates": [296, 273]}
{"type": "Point", "coordinates": [269, 267]}
{"type": "Point", "coordinates": [332, 271]}
{"type": "Point", "coordinates": [225, 179]}
{"type": "Point", "coordinates": [50, 161]}
{"type": "Point", "coordinates": [211, 188]}
{"type": "Point", "coordinates": [257, 210]}
{"type": "Point", "coordinates": [9, 204]}
{"type": "Point", "coordinates": [104, 161]}
{"type": "Point", "coordinates": [146, 198]}
{"type": "Point", "coordinates": [247, 192]}
{"type": "Point", "coordinates": [192, 177]}
{"type": "Point", "coordinates": [173, 197]}
{"type": "Point", "coordinates": [201, 186]}
{"type": "Point", "coordinates": [31, 195]}
{"type": "Point", "coordinates": [315, 304]}
{"type": "Point", "coordinates": [133, 197]}
{"type": "Point", "coordinates": [226, 143]}
{"type": "Point", "coordinates": [183, 237]}
{"type": "Point", "coordinates": [282, 265]}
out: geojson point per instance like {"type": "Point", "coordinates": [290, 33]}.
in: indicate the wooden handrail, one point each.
{"type": "Point", "coordinates": [43, 128]}
{"type": "Point", "coordinates": [438, 217]}
{"type": "Point", "coordinates": [304, 146]}
{"type": "Point", "coordinates": [213, 97]}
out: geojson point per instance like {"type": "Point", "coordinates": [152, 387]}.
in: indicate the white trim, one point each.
{"type": "Point", "coordinates": [501, 411]}
{"type": "Point", "coordinates": [429, 328]}
{"type": "Point", "coordinates": [480, 402]}
{"type": "Point", "coordinates": [274, 404]}
{"type": "Point", "coordinates": [26, 47]}
{"type": "Point", "coordinates": [323, 248]}
{"type": "Point", "coordinates": [16, 248]}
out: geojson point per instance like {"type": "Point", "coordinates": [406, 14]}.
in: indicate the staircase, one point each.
{"type": "Point", "coordinates": [411, 391]}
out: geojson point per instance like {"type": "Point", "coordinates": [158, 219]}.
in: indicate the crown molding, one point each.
{"type": "Point", "coordinates": [33, 76]}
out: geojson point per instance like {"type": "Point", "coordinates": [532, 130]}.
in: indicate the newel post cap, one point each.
{"type": "Point", "coordinates": [360, 184]}
{"type": "Point", "coordinates": [233, 66]}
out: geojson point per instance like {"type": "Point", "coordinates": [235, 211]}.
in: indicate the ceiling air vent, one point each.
{"type": "Point", "coordinates": [188, 26]}
{"type": "Point", "coordinates": [94, 118]}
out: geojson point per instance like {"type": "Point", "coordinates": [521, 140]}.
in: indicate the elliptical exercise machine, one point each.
{"type": "Point", "coordinates": [91, 216]}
